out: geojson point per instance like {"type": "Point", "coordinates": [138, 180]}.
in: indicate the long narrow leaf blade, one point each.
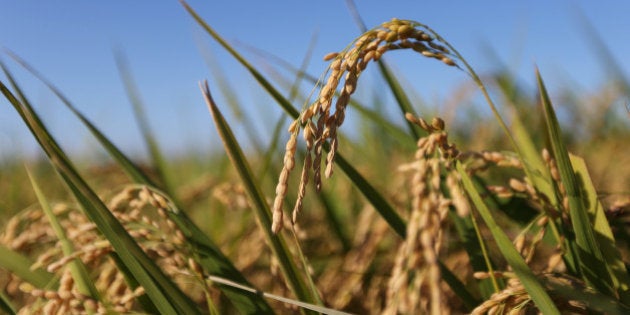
{"type": "Point", "coordinates": [592, 265]}
{"type": "Point", "coordinates": [312, 307]}
{"type": "Point", "coordinates": [77, 267]}
{"type": "Point", "coordinates": [157, 158]}
{"type": "Point", "coordinates": [260, 206]}
{"type": "Point", "coordinates": [603, 233]}
{"type": "Point", "coordinates": [401, 98]}
{"type": "Point", "coordinates": [6, 305]}
{"type": "Point", "coordinates": [514, 259]}
{"type": "Point", "coordinates": [20, 266]}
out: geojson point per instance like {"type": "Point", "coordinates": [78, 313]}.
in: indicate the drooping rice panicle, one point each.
{"type": "Point", "coordinates": [321, 122]}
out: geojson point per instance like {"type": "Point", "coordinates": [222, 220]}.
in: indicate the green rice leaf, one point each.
{"type": "Point", "coordinates": [531, 155]}
{"type": "Point", "coordinates": [334, 221]}
{"type": "Point", "coordinates": [603, 232]}
{"type": "Point", "coordinates": [591, 262]}
{"type": "Point", "coordinates": [401, 98]}
{"type": "Point", "coordinates": [526, 276]}
{"type": "Point", "coordinates": [5, 304]}
{"type": "Point", "coordinates": [78, 270]}
{"type": "Point", "coordinates": [595, 302]}
{"type": "Point", "coordinates": [20, 266]}
{"type": "Point", "coordinates": [540, 175]}
{"type": "Point", "coordinates": [403, 138]}
{"type": "Point", "coordinates": [468, 237]}
{"type": "Point", "coordinates": [282, 101]}
{"type": "Point", "coordinates": [277, 243]}
{"type": "Point", "coordinates": [312, 307]}
{"type": "Point", "coordinates": [157, 158]}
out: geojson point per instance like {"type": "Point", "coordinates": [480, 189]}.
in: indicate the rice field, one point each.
{"type": "Point", "coordinates": [516, 212]}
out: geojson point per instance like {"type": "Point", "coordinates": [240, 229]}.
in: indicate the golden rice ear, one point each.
{"type": "Point", "coordinates": [416, 268]}
{"type": "Point", "coordinates": [143, 211]}
{"type": "Point", "coordinates": [281, 188]}
{"type": "Point", "coordinates": [346, 66]}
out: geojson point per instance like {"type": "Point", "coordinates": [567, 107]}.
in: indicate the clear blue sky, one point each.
{"type": "Point", "coordinates": [72, 43]}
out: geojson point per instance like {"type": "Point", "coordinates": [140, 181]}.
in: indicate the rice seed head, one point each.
{"type": "Point", "coordinates": [345, 69]}
{"type": "Point", "coordinates": [302, 190]}
{"type": "Point", "coordinates": [416, 266]}
{"type": "Point", "coordinates": [437, 124]}
{"type": "Point", "coordinates": [152, 229]}
{"type": "Point", "coordinates": [330, 56]}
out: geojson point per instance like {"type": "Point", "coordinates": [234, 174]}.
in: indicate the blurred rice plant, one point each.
{"type": "Point", "coordinates": [488, 215]}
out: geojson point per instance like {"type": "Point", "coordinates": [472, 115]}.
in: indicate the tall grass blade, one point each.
{"type": "Point", "coordinates": [373, 196]}
{"type": "Point", "coordinates": [401, 98]}
{"type": "Point", "coordinates": [541, 177]}
{"type": "Point", "coordinates": [20, 266]}
{"type": "Point", "coordinates": [404, 140]}
{"type": "Point", "coordinates": [605, 55]}
{"type": "Point", "coordinates": [334, 221]}
{"type": "Point", "coordinates": [5, 304]}
{"type": "Point", "coordinates": [282, 101]}
{"type": "Point", "coordinates": [591, 261]}
{"type": "Point", "coordinates": [78, 270]}
{"type": "Point", "coordinates": [470, 242]}
{"type": "Point", "coordinates": [603, 233]}
{"type": "Point", "coordinates": [277, 243]}
{"type": "Point", "coordinates": [232, 100]}
{"type": "Point", "coordinates": [166, 296]}
{"type": "Point", "coordinates": [210, 256]}
{"type": "Point", "coordinates": [157, 158]}
{"type": "Point", "coordinates": [312, 307]}
{"type": "Point", "coordinates": [596, 303]}
{"type": "Point", "coordinates": [526, 276]}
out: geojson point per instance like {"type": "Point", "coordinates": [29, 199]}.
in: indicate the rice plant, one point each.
{"type": "Point", "coordinates": [421, 223]}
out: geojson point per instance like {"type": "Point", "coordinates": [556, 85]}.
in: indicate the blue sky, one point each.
{"type": "Point", "coordinates": [72, 44]}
